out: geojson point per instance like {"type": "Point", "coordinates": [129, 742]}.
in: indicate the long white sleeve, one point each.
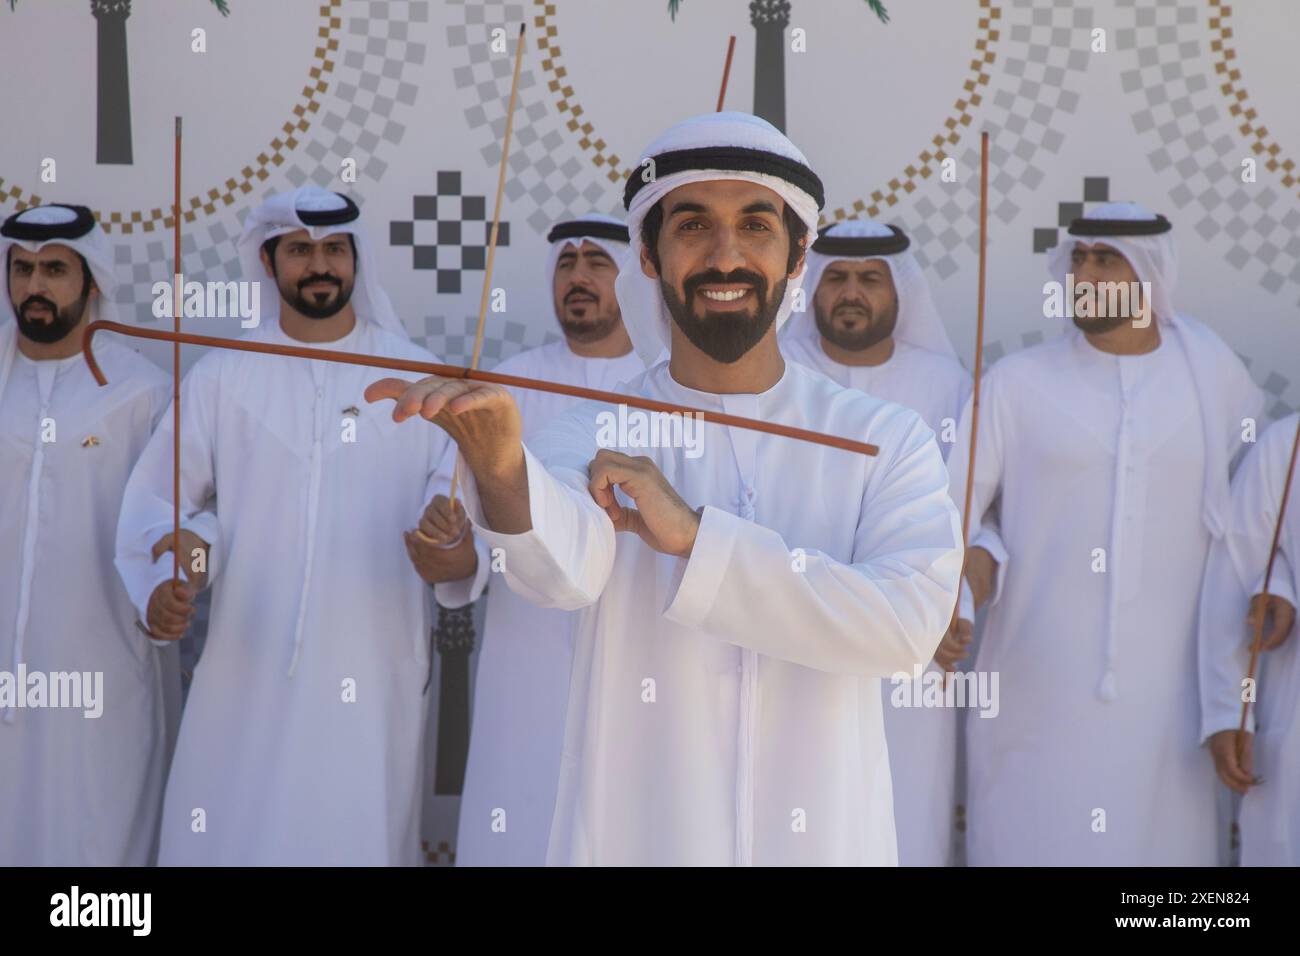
{"type": "Point", "coordinates": [883, 613]}
{"type": "Point", "coordinates": [566, 558]}
{"type": "Point", "coordinates": [1235, 572]}
{"type": "Point", "coordinates": [147, 501]}
{"type": "Point", "coordinates": [984, 531]}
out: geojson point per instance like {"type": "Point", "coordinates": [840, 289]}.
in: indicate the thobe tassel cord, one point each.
{"type": "Point", "coordinates": [457, 371]}
{"type": "Point", "coordinates": [492, 238]}
{"type": "Point", "coordinates": [1257, 643]}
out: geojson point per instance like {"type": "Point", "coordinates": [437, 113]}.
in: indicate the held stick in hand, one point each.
{"type": "Point", "coordinates": [457, 371]}
{"type": "Point", "coordinates": [1257, 643]}
{"type": "Point", "coordinates": [176, 365]}
{"type": "Point", "coordinates": [492, 237]}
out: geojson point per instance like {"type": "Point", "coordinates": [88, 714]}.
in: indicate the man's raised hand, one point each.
{"type": "Point", "coordinates": [661, 518]}
{"type": "Point", "coordinates": [481, 418]}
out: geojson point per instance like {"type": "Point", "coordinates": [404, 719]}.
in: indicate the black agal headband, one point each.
{"type": "Point", "coordinates": [732, 159]}
{"type": "Point", "coordinates": [330, 217]}
{"type": "Point", "coordinates": [82, 222]}
{"type": "Point", "coordinates": [1120, 227]}
{"type": "Point", "coordinates": [588, 229]}
{"type": "Point", "coordinates": [861, 247]}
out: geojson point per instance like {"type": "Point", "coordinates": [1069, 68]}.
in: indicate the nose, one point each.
{"type": "Point", "coordinates": [724, 253]}
{"type": "Point", "coordinates": [318, 265]}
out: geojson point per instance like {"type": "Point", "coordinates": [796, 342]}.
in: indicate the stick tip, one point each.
{"type": "Point", "coordinates": [178, 126]}
{"type": "Point", "coordinates": [521, 29]}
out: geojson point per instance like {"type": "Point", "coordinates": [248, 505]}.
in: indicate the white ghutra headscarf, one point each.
{"type": "Point", "coordinates": [863, 240]}
{"type": "Point", "coordinates": [321, 213]}
{"type": "Point", "coordinates": [714, 146]}
{"type": "Point", "coordinates": [56, 225]}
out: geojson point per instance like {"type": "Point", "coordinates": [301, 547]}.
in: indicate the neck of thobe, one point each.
{"type": "Point", "coordinates": [1127, 339]}
{"type": "Point", "coordinates": [298, 326]}
{"type": "Point", "coordinates": [756, 371]}
{"type": "Point", "coordinates": [877, 354]}
{"type": "Point", "coordinates": [614, 345]}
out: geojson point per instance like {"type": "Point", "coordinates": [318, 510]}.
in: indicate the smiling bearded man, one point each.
{"type": "Point", "coordinates": [717, 711]}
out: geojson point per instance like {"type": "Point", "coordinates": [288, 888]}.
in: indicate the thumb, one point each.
{"type": "Point", "coordinates": [162, 546]}
{"type": "Point", "coordinates": [385, 388]}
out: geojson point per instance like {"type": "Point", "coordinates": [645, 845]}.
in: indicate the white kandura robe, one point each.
{"type": "Point", "coordinates": [1094, 451]}
{"type": "Point", "coordinates": [77, 791]}
{"type": "Point", "coordinates": [922, 740]}
{"type": "Point", "coordinates": [521, 685]}
{"type": "Point", "coordinates": [308, 572]}
{"type": "Point", "coordinates": [717, 711]}
{"type": "Point", "coordinates": [1270, 811]}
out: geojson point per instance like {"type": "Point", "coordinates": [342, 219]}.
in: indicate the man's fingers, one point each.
{"type": "Point", "coordinates": [1282, 621]}
{"type": "Point", "coordinates": [392, 388]}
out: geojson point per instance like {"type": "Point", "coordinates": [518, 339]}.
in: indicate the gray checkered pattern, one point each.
{"type": "Point", "coordinates": [1037, 52]}
{"type": "Point", "coordinates": [1182, 110]}
{"type": "Point", "coordinates": [357, 119]}
{"type": "Point", "coordinates": [1181, 113]}
{"type": "Point", "coordinates": [452, 339]}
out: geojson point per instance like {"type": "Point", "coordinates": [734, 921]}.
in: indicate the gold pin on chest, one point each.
{"type": "Point", "coordinates": [90, 441]}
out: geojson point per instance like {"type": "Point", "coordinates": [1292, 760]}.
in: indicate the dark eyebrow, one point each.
{"type": "Point", "coordinates": [761, 206]}
{"type": "Point", "coordinates": [686, 207]}
{"type": "Point", "coordinates": [597, 254]}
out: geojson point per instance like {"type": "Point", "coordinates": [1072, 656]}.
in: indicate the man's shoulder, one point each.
{"type": "Point", "coordinates": [528, 360]}
{"type": "Point", "coordinates": [841, 410]}
{"type": "Point", "coordinates": [126, 367]}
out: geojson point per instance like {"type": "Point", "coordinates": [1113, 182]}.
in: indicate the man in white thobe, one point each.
{"type": "Point", "coordinates": [302, 736]}
{"type": "Point", "coordinates": [1111, 446]}
{"type": "Point", "coordinates": [521, 687]}
{"type": "Point", "coordinates": [873, 326]}
{"type": "Point", "coordinates": [1266, 769]}
{"type": "Point", "coordinates": [83, 780]}
{"type": "Point", "coordinates": [718, 712]}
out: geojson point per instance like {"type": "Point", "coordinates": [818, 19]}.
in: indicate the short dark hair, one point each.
{"type": "Point", "coordinates": [654, 222]}
{"type": "Point", "coordinates": [87, 277]}
{"type": "Point", "coordinates": [273, 243]}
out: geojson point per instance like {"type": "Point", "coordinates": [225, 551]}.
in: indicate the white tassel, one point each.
{"type": "Point", "coordinates": [1108, 690]}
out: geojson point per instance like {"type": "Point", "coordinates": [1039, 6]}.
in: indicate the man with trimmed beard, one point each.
{"type": "Point", "coordinates": [302, 736]}
{"type": "Point", "coordinates": [873, 326]}
{"type": "Point", "coordinates": [732, 602]}
{"type": "Point", "coordinates": [521, 687]}
{"type": "Point", "coordinates": [80, 788]}
{"type": "Point", "coordinates": [1111, 447]}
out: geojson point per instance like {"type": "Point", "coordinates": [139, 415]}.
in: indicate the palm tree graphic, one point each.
{"type": "Point", "coordinates": [113, 104]}
{"type": "Point", "coordinates": [769, 18]}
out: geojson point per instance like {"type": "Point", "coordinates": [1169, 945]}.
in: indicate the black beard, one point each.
{"type": "Point", "coordinates": [876, 331]}
{"type": "Point", "coordinates": [585, 331]}
{"type": "Point", "coordinates": [724, 336]}
{"type": "Point", "coordinates": [65, 320]}
{"type": "Point", "coordinates": [319, 305]}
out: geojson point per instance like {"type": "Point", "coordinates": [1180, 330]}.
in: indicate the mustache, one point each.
{"type": "Point", "coordinates": [852, 305]}
{"type": "Point", "coordinates": [38, 300]}
{"type": "Point", "coordinates": [715, 277]}
{"type": "Point", "coordinates": [332, 280]}
{"type": "Point", "coordinates": [579, 292]}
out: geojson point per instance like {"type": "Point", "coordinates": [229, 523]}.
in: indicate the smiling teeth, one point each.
{"type": "Point", "coordinates": [725, 296]}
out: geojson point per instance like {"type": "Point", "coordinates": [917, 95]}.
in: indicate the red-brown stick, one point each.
{"type": "Point", "coordinates": [1256, 644]}
{"type": "Point", "coordinates": [176, 365]}
{"type": "Point", "coordinates": [979, 367]}
{"type": "Point", "coordinates": [726, 72]}
{"type": "Point", "coordinates": [492, 236]}
{"type": "Point", "coordinates": [457, 371]}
